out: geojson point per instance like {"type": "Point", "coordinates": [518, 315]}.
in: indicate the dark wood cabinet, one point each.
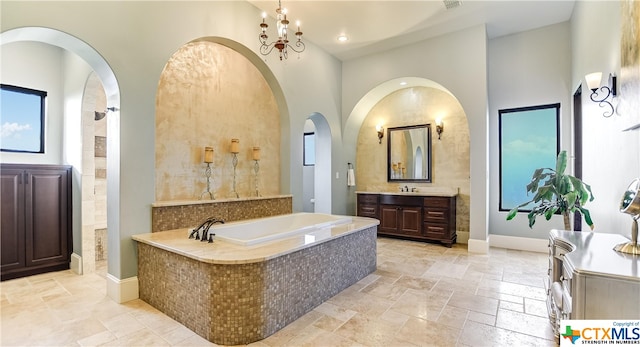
{"type": "Point", "coordinates": [368, 205]}
{"type": "Point", "coordinates": [440, 219]}
{"type": "Point", "coordinates": [36, 221]}
{"type": "Point", "coordinates": [400, 215]}
{"type": "Point", "coordinates": [416, 217]}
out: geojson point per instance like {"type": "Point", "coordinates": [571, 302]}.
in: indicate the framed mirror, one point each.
{"type": "Point", "coordinates": [409, 153]}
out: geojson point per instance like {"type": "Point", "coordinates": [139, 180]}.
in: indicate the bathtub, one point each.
{"type": "Point", "coordinates": [232, 294]}
{"type": "Point", "coordinates": [258, 231]}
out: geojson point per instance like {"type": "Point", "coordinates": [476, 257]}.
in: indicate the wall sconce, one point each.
{"type": "Point", "coordinates": [380, 131]}
{"type": "Point", "coordinates": [439, 127]}
{"type": "Point", "coordinates": [598, 92]}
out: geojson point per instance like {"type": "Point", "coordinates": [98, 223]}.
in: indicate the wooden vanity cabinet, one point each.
{"type": "Point", "coordinates": [400, 215]}
{"type": "Point", "coordinates": [368, 205]}
{"type": "Point", "coordinates": [415, 217]}
{"type": "Point", "coordinates": [440, 219]}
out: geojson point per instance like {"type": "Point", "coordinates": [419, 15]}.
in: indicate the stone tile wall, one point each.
{"type": "Point", "coordinates": [101, 244]}
{"type": "Point", "coordinates": [190, 215]}
{"type": "Point", "coordinates": [242, 303]}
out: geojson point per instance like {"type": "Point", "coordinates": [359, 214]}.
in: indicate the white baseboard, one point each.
{"type": "Point", "coordinates": [519, 243]}
{"type": "Point", "coordinates": [76, 264]}
{"type": "Point", "coordinates": [478, 246]}
{"type": "Point", "coordinates": [462, 237]}
{"type": "Point", "coordinates": [122, 290]}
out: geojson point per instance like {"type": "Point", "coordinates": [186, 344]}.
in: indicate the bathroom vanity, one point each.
{"type": "Point", "coordinates": [412, 215]}
{"type": "Point", "coordinates": [589, 280]}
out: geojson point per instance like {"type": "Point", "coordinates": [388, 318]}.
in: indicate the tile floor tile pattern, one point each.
{"type": "Point", "coordinates": [420, 295]}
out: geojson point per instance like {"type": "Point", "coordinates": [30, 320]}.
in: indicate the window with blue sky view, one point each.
{"type": "Point", "coordinates": [529, 139]}
{"type": "Point", "coordinates": [22, 119]}
{"type": "Point", "coordinates": [309, 152]}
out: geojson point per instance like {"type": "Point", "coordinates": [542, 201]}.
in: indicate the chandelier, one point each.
{"type": "Point", "coordinates": [282, 43]}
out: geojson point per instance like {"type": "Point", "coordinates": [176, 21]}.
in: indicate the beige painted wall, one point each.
{"type": "Point", "coordinates": [450, 155]}
{"type": "Point", "coordinates": [207, 95]}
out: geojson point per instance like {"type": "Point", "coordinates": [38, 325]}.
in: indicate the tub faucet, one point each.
{"type": "Point", "coordinates": [211, 234]}
{"type": "Point", "coordinates": [196, 231]}
{"type": "Point", "coordinates": [204, 228]}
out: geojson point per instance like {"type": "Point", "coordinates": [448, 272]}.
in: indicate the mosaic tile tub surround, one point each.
{"type": "Point", "coordinates": [171, 215]}
{"type": "Point", "coordinates": [234, 302]}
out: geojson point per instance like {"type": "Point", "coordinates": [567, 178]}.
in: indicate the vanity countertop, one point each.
{"type": "Point", "coordinates": [430, 191]}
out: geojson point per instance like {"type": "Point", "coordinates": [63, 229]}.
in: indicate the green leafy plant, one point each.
{"type": "Point", "coordinates": [556, 192]}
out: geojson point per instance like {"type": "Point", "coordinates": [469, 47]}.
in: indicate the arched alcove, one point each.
{"type": "Point", "coordinates": [406, 102]}
{"type": "Point", "coordinates": [208, 94]}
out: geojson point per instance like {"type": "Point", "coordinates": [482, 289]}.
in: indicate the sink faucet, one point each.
{"type": "Point", "coordinates": [406, 189]}
{"type": "Point", "coordinates": [414, 189]}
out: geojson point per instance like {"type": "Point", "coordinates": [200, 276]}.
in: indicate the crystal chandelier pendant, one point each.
{"type": "Point", "coordinates": [282, 44]}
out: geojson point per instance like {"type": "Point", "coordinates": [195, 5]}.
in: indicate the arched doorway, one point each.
{"type": "Point", "coordinates": [317, 180]}
{"type": "Point", "coordinates": [83, 257]}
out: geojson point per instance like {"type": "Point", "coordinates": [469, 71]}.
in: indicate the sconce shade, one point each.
{"type": "Point", "coordinates": [256, 153]}
{"type": "Point", "coordinates": [593, 80]}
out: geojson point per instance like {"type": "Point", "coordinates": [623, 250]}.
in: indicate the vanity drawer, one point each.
{"type": "Point", "coordinates": [435, 230]}
{"type": "Point", "coordinates": [437, 215]}
{"type": "Point", "coordinates": [368, 199]}
{"type": "Point", "coordinates": [368, 210]}
{"type": "Point", "coordinates": [437, 202]}
{"type": "Point", "coordinates": [401, 200]}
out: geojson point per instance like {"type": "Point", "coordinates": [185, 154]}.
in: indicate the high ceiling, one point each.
{"type": "Point", "coordinates": [374, 26]}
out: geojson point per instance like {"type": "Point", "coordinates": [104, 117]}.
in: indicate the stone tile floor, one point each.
{"type": "Point", "coordinates": [421, 295]}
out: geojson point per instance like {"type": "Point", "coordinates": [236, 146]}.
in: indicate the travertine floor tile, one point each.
{"type": "Point", "coordinates": [480, 335]}
{"type": "Point", "coordinates": [421, 295]}
{"type": "Point", "coordinates": [516, 321]}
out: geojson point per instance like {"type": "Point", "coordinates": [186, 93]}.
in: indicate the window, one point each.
{"type": "Point", "coordinates": [529, 139]}
{"type": "Point", "coordinates": [22, 119]}
{"type": "Point", "coordinates": [309, 150]}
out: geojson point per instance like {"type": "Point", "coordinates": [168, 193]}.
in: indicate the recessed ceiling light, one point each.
{"type": "Point", "coordinates": [343, 38]}
{"type": "Point", "coordinates": [403, 83]}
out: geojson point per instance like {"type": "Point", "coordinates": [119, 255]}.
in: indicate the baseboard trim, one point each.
{"type": "Point", "coordinates": [122, 290]}
{"type": "Point", "coordinates": [478, 246]}
{"type": "Point", "coordinates": [519, 243]}
{"type": "Point", "coordinates": [462, 237]}
{"type": "Point", "coordinates": [76, 264]}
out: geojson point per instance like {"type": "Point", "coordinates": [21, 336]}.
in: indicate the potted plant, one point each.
{"type": "Point", "coordinates": [556, 192]}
